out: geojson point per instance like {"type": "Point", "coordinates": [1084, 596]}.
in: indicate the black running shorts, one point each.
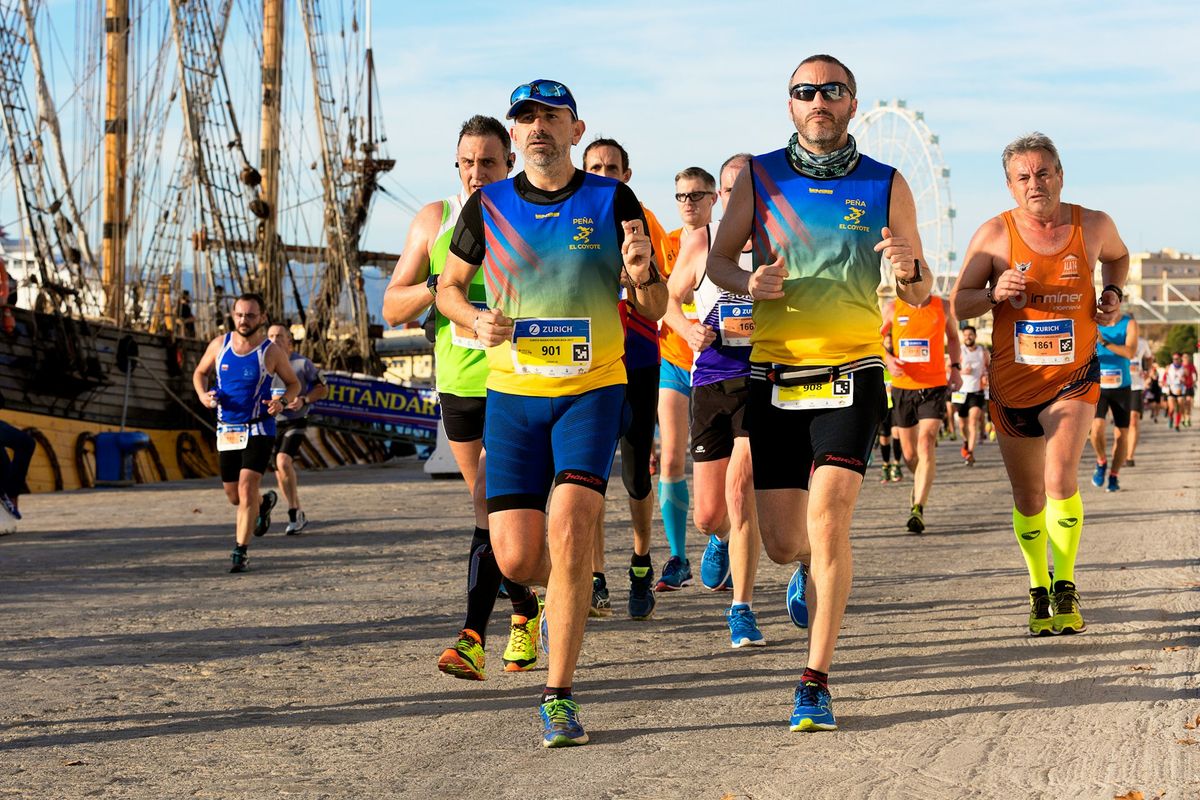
{"type": "Point", "coordinates": [1119, 402]}
{"type": "Point", "coordinates": [718, 417]}
{"type": "Point", "coordinates": [254, 457]}
{"type": "Point", "coordinates": [787, 445]}
{"type": "Point", "coordinates": [974, 400]}
{"type": "Point", "coordinates": [462, 417]}
{"type": "Point", "coordinates": [909, 406]}
{"type": "Point", "coordinates": [289, 436]}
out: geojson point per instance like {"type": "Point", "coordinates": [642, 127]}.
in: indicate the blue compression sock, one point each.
{"type": "Point", "coordinates": [673, 501]}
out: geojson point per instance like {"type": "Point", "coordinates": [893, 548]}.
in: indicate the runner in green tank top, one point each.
{"type": "Point", "coordinates": [484, 156]}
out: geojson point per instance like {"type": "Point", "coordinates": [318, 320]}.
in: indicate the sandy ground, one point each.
{"type": "Point", "coordinates": [133, 665]}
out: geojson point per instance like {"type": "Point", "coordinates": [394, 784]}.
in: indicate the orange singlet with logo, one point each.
{"type": "Point", "coordinates": [1044, 340]}
{"type": "Point", "coordinates": [919, 340]}
{"type": "Point", "coordinates": [673, 346]}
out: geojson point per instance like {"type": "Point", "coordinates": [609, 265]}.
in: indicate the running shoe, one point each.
{"type": "Point", "coordinates": [886, 475]}
{"type": "Point", "coordinates": [240, 562]}
{"type": "Point", "coordinates": [1114, 485]}
{"type": "Point", "coordinates": [966, 452]}
{"type": "Point", "coordinates": [641, 591]}
{"type": "Point", "coordinates": [601, 602]}
{"type": "Point", "coordinates": [896, 473]}
{"type": "Point", "coordinates": [560, 724]}
{"type": "Point", "coordinates": [970, 462]}
{"type": "Point", "coordinates": [465, 659]}
{"type": "Point", "coordinates": [296, 525]}
{"type": "Point", "coordinates": [676, 574]}
{"type": "Point", "coordinates": [1130, 463]}
{"type": "Point", "coordinates": [10, 506]}
{"type": "Point", "coordinates": [264, 512]}
{"type": "Point", "coordinates": [1040, 618]}
{"type": "Point", "coordinates": [1067, 616]}
{"type": "Point", "coordinates": [714, 567]}
{"type": "Point", "coordinates": [916, 519]}
{"type": "Point", "coordinates": [1098, 475]}
{"type": "Point", "coordinates": [797, 606]}
{"type": "Point", "coordinates": [814, 708]}
{"type": "Point", "coordinates": [521, 652]}
{"type": "Point", "coordinates": [743, 627]}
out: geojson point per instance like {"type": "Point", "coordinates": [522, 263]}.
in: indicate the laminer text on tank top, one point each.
{"type": "Point", "coordinates": [551, 262]}
{"type": "Point", "coordinates": [1045, 338]}
{"type": "Point", "coordinates": [826, 231]}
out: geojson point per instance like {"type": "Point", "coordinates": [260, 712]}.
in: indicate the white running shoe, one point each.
{"type": "Point", "coordinates": [294, 528]}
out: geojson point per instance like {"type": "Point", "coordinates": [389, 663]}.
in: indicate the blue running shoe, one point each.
{"type": "Point", "coordinates": [1114, 485]}
{"type": "Point", "coordinates": [743, 627]}
{"type": "Point", "coordinates": [714, 567]}
{"type": "Point", "coordinates": [641, 592]}
{"type": "Point", "coordinates": [676, 574]}
{"type": "Point", "coordinates": [814, 708]}
{"type": "Point", "coordinates": [1098, 475]}
{"type": "Point", "coordinates": [560, 721]}
{"type": "Point", "coordinates": [797, 606]}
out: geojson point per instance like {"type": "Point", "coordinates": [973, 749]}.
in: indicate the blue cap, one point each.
{"type": "Point", "coordinates": [547, 92]}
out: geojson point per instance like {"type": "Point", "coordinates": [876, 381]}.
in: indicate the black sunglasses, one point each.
{"type": "Point", "coordinates": [806, 92]}
{"type": "Point", "coordinates": [691, 197]}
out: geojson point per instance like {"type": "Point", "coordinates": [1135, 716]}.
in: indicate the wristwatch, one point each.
{"type": "Point", "coordinates": [431, 284]}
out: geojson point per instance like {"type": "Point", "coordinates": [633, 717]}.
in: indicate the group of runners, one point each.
{"type": "Point", "coordinates": [569, 324]}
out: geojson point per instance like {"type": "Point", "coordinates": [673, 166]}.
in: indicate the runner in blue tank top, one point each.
{"type": "Point", "coordinates": [1116, 345]}
{"type": "Point", "coordinates": [244, 360]}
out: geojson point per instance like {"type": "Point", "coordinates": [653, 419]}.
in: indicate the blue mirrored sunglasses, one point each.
{"type": "Point", "coordinates": [538, 89]}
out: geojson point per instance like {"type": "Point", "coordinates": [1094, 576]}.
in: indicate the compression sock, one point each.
{"type": "Point", "coordinates": [1031, 536]}
{"type": "Point", "coordinates": [885, 452]}
{"type": "Point", "coordinates": [640, 561]}
{"type": "Point", "coordinates": [1064, 521]}
{"type": "Point", "coordinates": [815, 676]}
{"type": "Point", "coordinates": [483, 582]}
{"type": "Point", "coordinates": [673, 501]}
{"type": "Point", "coordinates": [524, 601]}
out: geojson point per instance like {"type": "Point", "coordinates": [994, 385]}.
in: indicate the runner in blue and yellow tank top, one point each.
{"type": "Point", "coordinates": [483, 156]}
{"type": "Point", "coordinates": [819, 213]}
{"type": "Point", "coordinates": [555, 244]}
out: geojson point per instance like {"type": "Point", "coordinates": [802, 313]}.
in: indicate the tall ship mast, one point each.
{"type": "Point", "coordinates": [210, 148]}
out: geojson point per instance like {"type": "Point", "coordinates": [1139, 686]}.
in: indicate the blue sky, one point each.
{"type": "Point", "coordinates": [1116, 85]}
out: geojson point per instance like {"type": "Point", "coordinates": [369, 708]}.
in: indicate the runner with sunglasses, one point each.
{"type": "Point", "coordinates": [608, 158]}
{"type": "Point", "coordinates": [556, 245]}
{"type": "Point", "coordinates": [1032, 268]}
{"type": "Point", "coordinates": [483, 156]}
{"type": "Point", "coordinates": [818, 214]}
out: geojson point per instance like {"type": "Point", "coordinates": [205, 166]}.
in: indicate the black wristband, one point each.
{"type": "Point", "coordinates": [956, 366]}
{"type": "Point", "coordinates": [1112, 287]}
{"type": "Point", "coordinates": [916, 278]}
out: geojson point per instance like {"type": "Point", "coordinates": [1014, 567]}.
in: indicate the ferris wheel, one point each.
{"type": "Point", "coordinates": [896, 135]}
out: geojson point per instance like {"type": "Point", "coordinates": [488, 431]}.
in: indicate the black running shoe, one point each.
{"type": "Point", "coordinates": [263, 523]}
{"type": "Point", "coordinates": [241, 561]}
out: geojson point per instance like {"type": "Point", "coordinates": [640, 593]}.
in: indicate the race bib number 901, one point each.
{"type": "Point", "coordinates": [555, 347]}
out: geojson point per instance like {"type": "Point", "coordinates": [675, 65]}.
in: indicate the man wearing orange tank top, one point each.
{"type": "Point", "coordinates": [1032, 268]}
{"type": "Point", "coordinates": [916, 339]}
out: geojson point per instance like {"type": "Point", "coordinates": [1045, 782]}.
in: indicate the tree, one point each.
{"type": "Point", "coordinates": [1180, 339]}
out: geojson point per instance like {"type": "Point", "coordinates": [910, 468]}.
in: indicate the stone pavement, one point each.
{"type": "Point", "coordinates": [133, 665]}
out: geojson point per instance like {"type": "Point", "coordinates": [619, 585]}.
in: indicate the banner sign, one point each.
{"type": "Point", "coordinates": [374, 400]}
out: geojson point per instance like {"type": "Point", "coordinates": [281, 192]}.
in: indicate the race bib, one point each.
{"type": "Point", "coordinates": [838, 393]}
{"type": "Point", "coordinates": [737, 323]}
{"type": "Point", "coordinates": [914, 351]}
{"type": "Point", "coordinates": [465, 337]}
{"type": "Point", "coordinates": [958, 398]}
{"type": "Point", "coordinates": [1042, 342]}
{"type": "Point", "coordinates": [555, 347]}
{"type": "Point", "coordinates": [232, 437]}
{"type": "Point", "coordinates": [1110, 379]}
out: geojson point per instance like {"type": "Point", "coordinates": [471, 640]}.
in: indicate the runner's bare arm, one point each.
{"type": "Point", "coordinates": [737, 224]}
{"type": "Point", "coordinates": [1113, 256]}
{"type": "Point", "coordinates": [277, 362]}
{"type": "Point", "coordinates": [954, 349]}
{"type": "Point", "coordinates": [200, 374]}
{"type": "Point", "coordinates": [894, 365]}
{"type": "Point", "coordinates": [683, 277]}
{"type": "Point", "coordinates": [490, 327]}
{"type": "Point", "coordinates": [985, 264]}
{"type": "Point", "coordinates": [1129, 347]}
{"type": "Point", "coordinates": [901, 245]}
{"type": "Point", "coordinates": [406, 296]}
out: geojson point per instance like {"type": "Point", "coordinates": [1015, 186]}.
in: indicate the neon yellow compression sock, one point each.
{"type": "Point", "coordinates": [1064, 522]}
{"type": "Point", "coordinates": [1031, 536]}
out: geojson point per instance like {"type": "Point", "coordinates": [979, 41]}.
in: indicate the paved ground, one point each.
{"type": "Point", "coordinates": [133, 665]}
